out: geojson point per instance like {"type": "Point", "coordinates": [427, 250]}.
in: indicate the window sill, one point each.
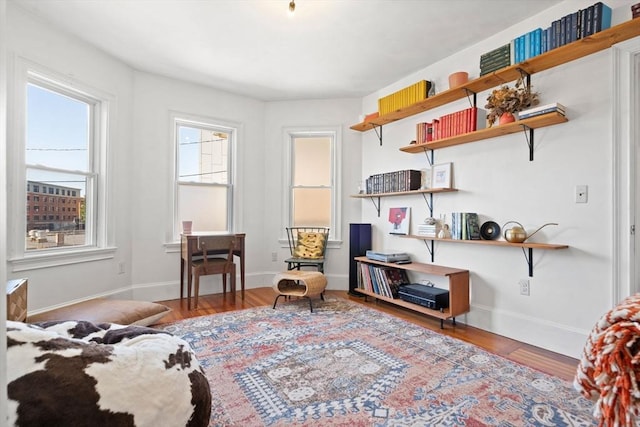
{"type": "Point", "coordinates": [38, 261]}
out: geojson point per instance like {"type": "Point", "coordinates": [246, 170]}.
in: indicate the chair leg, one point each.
{"type": "Point", "coordinates": [310, 304]}
{"type": "Point", "coordinates": [189, 292]}
{"type": "Point", "coordinates": [276, 301]}
{"type": "Point", "coordinates": [233, 279]}
{"type": "Point", "coordinates": [224, 283]}
{"type": "Point", "coordinates": [196, 291]}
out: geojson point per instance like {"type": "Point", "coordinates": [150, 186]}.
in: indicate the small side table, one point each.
{"type": "Point", "coordinates": [299, 283]}
{"type": "Point", "coordinates": [17, 300]}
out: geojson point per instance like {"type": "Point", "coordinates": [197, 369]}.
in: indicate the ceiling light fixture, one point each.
{"type": "Point", "coordinates": [292, 6]}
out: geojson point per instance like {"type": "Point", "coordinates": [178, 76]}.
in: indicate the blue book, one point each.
{"type": "Point", "coordinates": [543, 41]}
{"type": "Point", "coordinates": [573, 30]}
{"type": "Point", "coordinates": [589, 21]}
{"type": "Point", "coordinates": [537, 42]}
{"type": "Point", "coordinates": [527, 45]}
{"type": "Point", "coordinates": [582, 24]}
{"type": "Point", "coordinates": [556, 33]}
{"type": "Point", "coordinates": [601, 17]}
{"type": "Point", "coordinates": [521, 49]}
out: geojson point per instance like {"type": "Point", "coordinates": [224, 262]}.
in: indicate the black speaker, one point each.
{"type": "Point", "coordinates": [359, 244]}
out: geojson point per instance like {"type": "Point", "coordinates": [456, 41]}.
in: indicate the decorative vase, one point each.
{"type": "Point", "coordinates": [506, 118]}
{"type": "Point", "coordinates": [458, 79]}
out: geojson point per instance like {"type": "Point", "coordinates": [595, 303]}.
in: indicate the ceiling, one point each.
{"type": "Point", "coordinates": [327, 49]}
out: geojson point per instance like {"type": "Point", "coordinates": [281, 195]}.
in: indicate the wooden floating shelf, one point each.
{"type": "Point", "coordinates": [561, 55]}
{"type": "Point", "coordinates": [404, 193]}
{"type": "Point", "coordinates": [527, 245]}
{"type": "Point", "coordinates": [492, 132]}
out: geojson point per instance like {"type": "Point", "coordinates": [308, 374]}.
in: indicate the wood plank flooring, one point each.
{"type": "Point", "coordinates": [534, 357]}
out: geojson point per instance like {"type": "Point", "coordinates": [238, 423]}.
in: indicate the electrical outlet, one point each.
{"type": "Point", "coordinates": [524, 287]}
{"type": "Point", "coordinates": [582, 192]}
{"type": "Point", "coordinates": [274, 256]}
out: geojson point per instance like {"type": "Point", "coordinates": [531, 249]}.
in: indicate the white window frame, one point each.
{"type": "Point", "coordinates": [234, 130]}
{"type": "Point", "coordinates": [99, 224]}
{"type": "Point", "coordinates": [335, 134]}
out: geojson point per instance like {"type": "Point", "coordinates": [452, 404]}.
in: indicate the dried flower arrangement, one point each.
{"type": "Point", "coordinates": [507, 99]}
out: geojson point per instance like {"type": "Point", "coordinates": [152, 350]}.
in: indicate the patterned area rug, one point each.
{"type": "Point", "coordinates": [349, 365]}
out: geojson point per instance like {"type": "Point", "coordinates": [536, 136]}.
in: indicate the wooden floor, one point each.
{"type": "Point", "coordinates": [537, 358]}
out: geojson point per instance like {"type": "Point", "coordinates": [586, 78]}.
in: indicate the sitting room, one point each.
{"type": "Point", "coordinates": [276, 212]}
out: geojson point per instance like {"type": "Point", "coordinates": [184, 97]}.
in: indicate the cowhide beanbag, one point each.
{"type": "Point", "coordinates": [85, 374]}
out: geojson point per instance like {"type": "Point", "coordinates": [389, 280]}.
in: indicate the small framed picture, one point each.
{"type": "Point", "coordinates": [399, 219]}
{"type": "Point", "coordinates": [441, 176]}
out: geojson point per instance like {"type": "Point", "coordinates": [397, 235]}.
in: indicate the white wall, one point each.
{"type": "Point", "coordinates": [37, 42]}
{"type": "Point", "coordinates": [302, 115]}
{"type": "Point", "coordinates": [570, 288]}
{"type": "Point", "coordinates": [155, 260]}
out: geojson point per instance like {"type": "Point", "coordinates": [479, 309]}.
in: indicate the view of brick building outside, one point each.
{"type": "Point", "coordinates": [53, 207]}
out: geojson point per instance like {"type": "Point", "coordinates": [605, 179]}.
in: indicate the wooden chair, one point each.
{"type": "Point", "coordinates": [211, 264]}
{"type": "Point", "coordinates": [307, 246]}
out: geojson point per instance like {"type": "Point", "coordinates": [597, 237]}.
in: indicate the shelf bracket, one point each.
{"type": "Point", "coordinates": [379, 134]}
{"type": "Point", "coordinates": [470, 92]}
{"type": "Point", "coordinates": [429, 202]}
{"type": "Point", "coordinates": [529, 139]}
{"type": "Point", "coordinates": [525, 76]}
{"type": "Point", "coordinates": [429, 154]}
{"type": "Point", "coordinates": [377, 205]}
{"type": "Point", "coordinates": [529, 259]}
{"type": "Point", "coordinates": [429, 245]}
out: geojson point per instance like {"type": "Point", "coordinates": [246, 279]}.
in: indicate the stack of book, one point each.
{"type": "Point", "coordinates": [635, 10]}
{"type": "Point", "coordinates": [391, 182]}
{"type": "Point", "coordinates": [496, 59]}
{"type": "Point", "coordinates": [542, 109]}
{"type": "Point", "coordinates": [429, 230]}
{"type": "Point", "coordinates": [405, 97]}
{"type": "Point", "coordinates": [465, 226]}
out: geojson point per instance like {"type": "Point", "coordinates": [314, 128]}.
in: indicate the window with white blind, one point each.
{"type": "Point", "coordinates": [204, 178]}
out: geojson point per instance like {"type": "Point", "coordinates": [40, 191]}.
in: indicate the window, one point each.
{"type": "Point", "coordinates": [313, 179]}
{"type": "Point", "coordinates": [204, 178]}
{"type": "Point", "coordinates": [60, 129]}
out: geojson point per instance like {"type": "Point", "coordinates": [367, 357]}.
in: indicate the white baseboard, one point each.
{"type": "Point", "coordinates": [551, 336]}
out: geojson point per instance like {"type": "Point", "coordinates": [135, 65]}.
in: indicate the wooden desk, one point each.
{"type": "Point", "coordinates": [189, 249]}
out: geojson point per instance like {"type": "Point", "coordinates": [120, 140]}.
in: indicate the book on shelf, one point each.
{"type": "Point", "coordinates": [428, 230]}
{"type": "Point", "coordinates": [382, 280]}
{"type": "Point", "coordinates": [405, 97]}
{"type": "Point", "coordinates": [465, 226]}
{"type": "Point", "coordinates": [542, 109]}
{"type": "Point", "coordinates": [392, 182]}
{"type": "Point", "coordinates": [460, 122]}
{"type": "Point", "coordinates": [601, 17]}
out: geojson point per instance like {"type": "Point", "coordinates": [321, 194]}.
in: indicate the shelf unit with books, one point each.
{"type": "Point", "coordinates": [525, 125]}
{"type": "Point", "coordinates": [458, 288]}
{"type": "Point", "coordinates": [527, 247]}
{"type": "Point", "coordinates": [424, 192]}
{"type": "Point", "coordinates": [558, 56]}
